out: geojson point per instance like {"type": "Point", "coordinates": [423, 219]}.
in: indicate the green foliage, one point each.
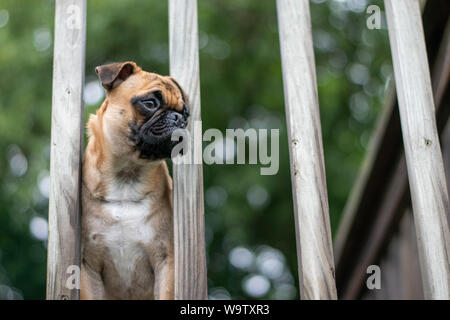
{"type": "Point", "coordinates": [241, 85]}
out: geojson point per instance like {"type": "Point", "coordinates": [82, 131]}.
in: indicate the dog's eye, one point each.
{"type": "Point", "coordinates": [151, 103]}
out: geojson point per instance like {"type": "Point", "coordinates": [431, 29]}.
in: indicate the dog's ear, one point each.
{"type": "Point", "coordinates": [111, 75]}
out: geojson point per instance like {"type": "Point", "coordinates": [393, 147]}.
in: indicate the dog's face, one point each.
{"type": "Point", "coordinates": [142, 110]}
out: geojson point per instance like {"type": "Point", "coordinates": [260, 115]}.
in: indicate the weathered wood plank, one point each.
{"type": "Point", "coordinates": [366, 208]}
{"type": "Point", "coordinates": [190, 260]}
{"type": "Point", "coordinates": [396, 192]}
{"type": "Point", "coordinates": [314, 247]}
{"type": "Point", "coordinates": [66, 147]}
{"type": "Point", "coordinates": [423, 154]}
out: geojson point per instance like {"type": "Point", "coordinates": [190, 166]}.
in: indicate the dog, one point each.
{"type": "Point", "coordinates": [127, 217]}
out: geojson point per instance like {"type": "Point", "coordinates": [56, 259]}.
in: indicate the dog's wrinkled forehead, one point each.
{"type": "Point", "coordinates": [127, 80]}
{"type": "Point", "coordinates": [172, 94]}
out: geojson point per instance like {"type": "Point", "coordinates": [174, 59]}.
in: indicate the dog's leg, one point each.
{"type": "Point", "coordinates": [91, 285]}
{"type": "Point", "coordinates": [164, 280]}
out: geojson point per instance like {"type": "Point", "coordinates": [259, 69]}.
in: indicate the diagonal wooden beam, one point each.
{"type": "Point", "coordinates": [423, 153]}
{"type": "Point", "coordinates": [396, 197]}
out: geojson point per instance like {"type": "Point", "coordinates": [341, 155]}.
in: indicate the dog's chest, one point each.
{"type": "Point", "coordinates": [128, 232]}
{"type": "Point", "coordinates": [129, 223]}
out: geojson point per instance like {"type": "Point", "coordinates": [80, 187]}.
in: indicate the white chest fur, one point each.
{"type": "Point", "coordinates": [130, 229]}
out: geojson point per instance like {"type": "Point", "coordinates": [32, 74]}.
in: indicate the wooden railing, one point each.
{"type": "Point", "coordinates": [422, 149]}
{"type": "Point", "coordinates": [312, 225]}
{"type": "Point", "coordinates": [190, 260]}
{"type": "Point", "coordinates": [311, 213]}
{"type": "Point", "coordinates": [66, 148]}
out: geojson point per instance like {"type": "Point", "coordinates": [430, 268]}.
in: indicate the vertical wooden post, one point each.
{"type": "Point", "coordinates": [63, 255]}
{"type": "Point", "coordinates": [314, 247]}
{"type": "Point", "coordinates": [423, 153]}
{"type": "Point", "coordinates": [190, 260]}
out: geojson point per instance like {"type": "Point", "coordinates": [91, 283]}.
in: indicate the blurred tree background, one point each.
{"type": "Point", "coordinates": [249, 218]}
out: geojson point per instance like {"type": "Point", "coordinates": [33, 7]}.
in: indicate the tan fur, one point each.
{"type": "Point", "coordinates": [127, 201]}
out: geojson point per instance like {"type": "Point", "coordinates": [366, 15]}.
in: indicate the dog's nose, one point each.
{"type": "Point", "coordinates": [175, 117]}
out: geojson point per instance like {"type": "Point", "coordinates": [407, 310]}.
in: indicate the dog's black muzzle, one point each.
{"type": "Point", "coordinates": [153, 137]}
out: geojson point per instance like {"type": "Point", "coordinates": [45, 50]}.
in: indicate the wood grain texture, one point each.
{"type": "Point", "coordinates": [446, 151]}
{"type": "Point", "coordinates": [423, 154]}
{"type": "Point", "coordinates": [314, 246]}
{"type": "Point", "coordinates": [395, 197]}
{"type": "Point", "coordinates": [377, 200]}
{"type": "Point", "coordinates": [190, 260]}
{"type": "Point", "coordinates": [66, 147]}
